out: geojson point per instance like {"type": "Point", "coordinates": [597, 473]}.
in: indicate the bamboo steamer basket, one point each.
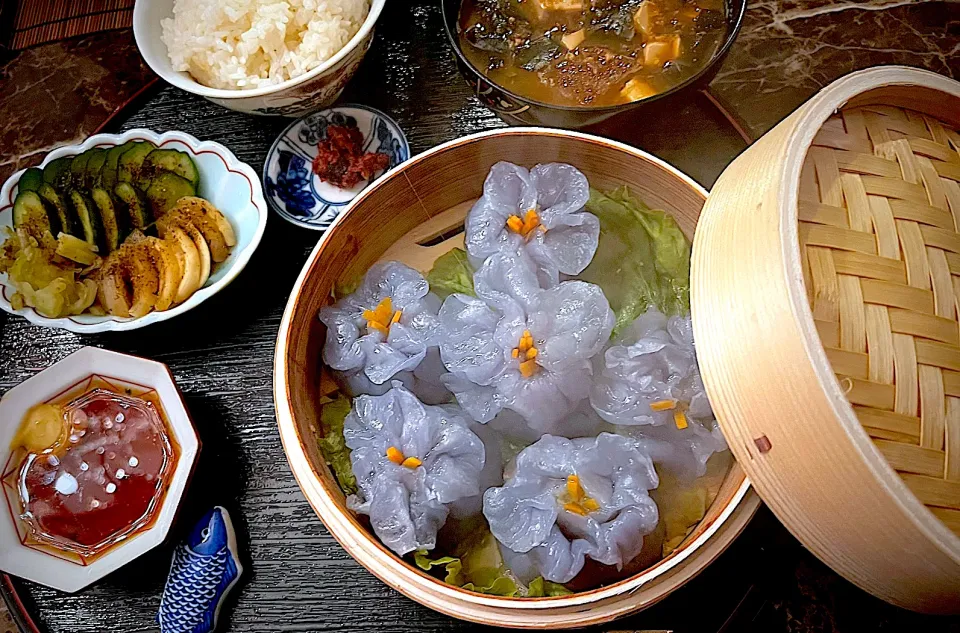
{"type": "Point", "coordinates": [415, 214]}
{"type": "Point", "coordinates": [826, 279]}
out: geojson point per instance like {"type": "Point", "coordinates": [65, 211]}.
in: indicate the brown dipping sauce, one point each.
{"type": "Point", "coordinates": [105, 479]}
{"type": "Point", "coordinates": [590, 52]}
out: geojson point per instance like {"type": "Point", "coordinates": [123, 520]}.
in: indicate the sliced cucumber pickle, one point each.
{"type": "Point", "coordinates": [89, 219]}
{"type": "Point", "coordinates": [130, 161]}
{"type": "Point", "coordinates": [30, 180]}
{"type": "Point", "coordinates": [53, 170]}
{"type": "Point", "coordinates": [98, 156]}
{"type": "Point", "coordinates": [68, 222]}
{"type": "Point", "coordinates": [65, 178]}
{"type": "Point", "coordinates": [113, 226]}
{"type": "Point", "coordinates": [108, 175]}
{"type": "Point", "coordinates": [137, 207]}
{"type": "Point", "coordinates": [78, 170]}
{"type": "Point", "coordinates": [164, 191]}
{"type": "Point", "coordinates": [30, 213]}
{"type": "Point", "coordinates": [180, 163]}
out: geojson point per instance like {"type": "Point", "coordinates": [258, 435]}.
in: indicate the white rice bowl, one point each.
{"type": "Point", "coordinates": [245, 44]}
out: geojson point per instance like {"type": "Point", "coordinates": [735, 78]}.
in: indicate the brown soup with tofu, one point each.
{"type": "Point", "coordinates": [590, 52]}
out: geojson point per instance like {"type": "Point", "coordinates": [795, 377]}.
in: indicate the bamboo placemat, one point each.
{"type": "Point", "coordinates": [43, 21]}
{"type": "Point", "coordinates": [880, 234]}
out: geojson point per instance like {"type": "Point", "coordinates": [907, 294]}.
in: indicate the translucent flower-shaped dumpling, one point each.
{"type": "Point", "coordinates": [540, 211]}
{"type": "Point", "coordinates": [684, 452]}
{"type": "Point", "coordinates": [381, 331]}
{"type": "Point", "coordinates": [650, 381]}
{"type": "Point", "coordinates": [411, 461]}
{"type": "Point", "coordinates": [651, 376]}
{"type": "Point", "coordinates": [519, 347]}
{"type": "Point", "coordinates": [569, 499]}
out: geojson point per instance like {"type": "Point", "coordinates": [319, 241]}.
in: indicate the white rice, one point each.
{"type": "Point", "coordinates": [245, 44]}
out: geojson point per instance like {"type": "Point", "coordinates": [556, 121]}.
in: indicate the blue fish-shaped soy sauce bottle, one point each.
{"type": "Point", "coordinates": [203, 571]}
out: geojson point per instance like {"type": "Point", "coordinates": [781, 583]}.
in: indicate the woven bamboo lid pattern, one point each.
{"type": "Point", "coordinates": [879, 211]}
{"type": "Point", "coordinates": [824, 307]}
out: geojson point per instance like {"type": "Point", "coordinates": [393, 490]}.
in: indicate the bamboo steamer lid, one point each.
{"type": "Point", "coordinates": [825, 289]}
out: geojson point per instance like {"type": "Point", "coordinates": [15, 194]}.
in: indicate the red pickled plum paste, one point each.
{"type": "Point", "coordinates": [107, 478]}
{"type": "Point", "coordinates": [341, 160]}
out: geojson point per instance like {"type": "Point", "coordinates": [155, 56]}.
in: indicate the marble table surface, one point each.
{"type": "Point", "coordinates": [789, 49]}
{"type": "Point", "coordinates": [786, 51]}
{"type": "Point", "coordinates": [63, 92]}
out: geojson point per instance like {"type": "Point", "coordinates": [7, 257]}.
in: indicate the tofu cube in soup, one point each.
{"type": "Point", "coordinates": [560, 5]}
{"type": "Point", "coordinates": [643, 18]}
{"type": "Point", "coordinates": [637, 89]}
{"type": "Point", "coordinates": [573, 40]}
{"type": "Point", "coordinates": [658, 52]}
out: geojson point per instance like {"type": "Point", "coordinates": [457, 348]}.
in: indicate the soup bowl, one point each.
{"type": "Point", "coordinates": [517, 109]}
{"type": "Point", "coordinates": [402, 216]}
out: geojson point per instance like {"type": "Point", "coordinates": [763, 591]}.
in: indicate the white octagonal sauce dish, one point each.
{"type": "Point", "coordinates": [25, 549]}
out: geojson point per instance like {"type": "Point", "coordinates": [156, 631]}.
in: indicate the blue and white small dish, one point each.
{"type": "Point", "coordinates": [203, 571]}
{"type": "Point", "coordinates": [289, 183]}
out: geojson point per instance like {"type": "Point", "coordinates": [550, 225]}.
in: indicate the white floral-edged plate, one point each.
{"type": "Point", "coordinates": [232, 186]}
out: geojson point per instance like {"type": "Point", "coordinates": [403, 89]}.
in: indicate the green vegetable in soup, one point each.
{"type": "Point", "coordinates": [451, 273]}
{"type": "Point", "coordinates": [643, 259]}
{"type": "Point", "coordinates": [333, 446]}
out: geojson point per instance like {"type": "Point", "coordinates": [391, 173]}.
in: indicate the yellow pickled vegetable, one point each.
{"type": "Point", "coordinates": [48, 286]}
{"type": "Point", "coordinates": [42, 427]}
{"type": "Point", "coordinates": [75, 249]}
